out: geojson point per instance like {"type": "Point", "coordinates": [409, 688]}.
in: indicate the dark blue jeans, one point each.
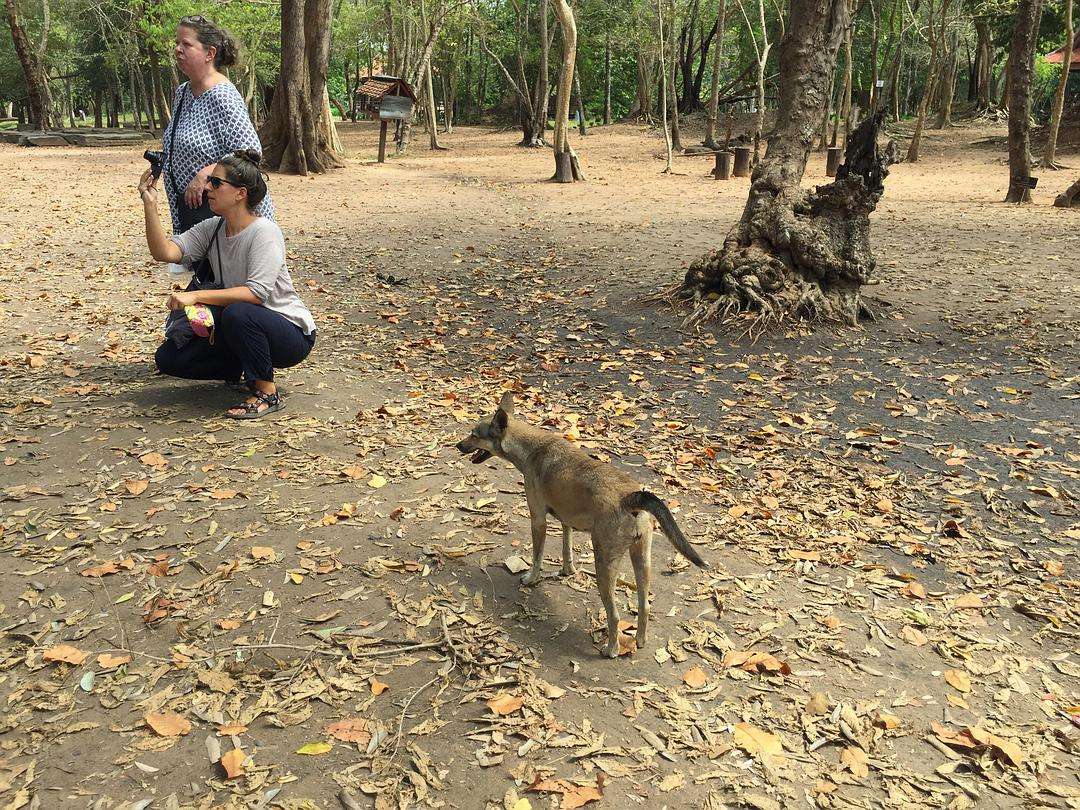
{"type": "Point", "coordinates": [249, 341]}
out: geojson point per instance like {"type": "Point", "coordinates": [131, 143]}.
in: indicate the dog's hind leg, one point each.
{"type": "Point", "coordinates": [641, 558]}
{"type": "Point", "coordinates": [568, 568]}
{"type": "Point", "coordinates": [606, 574]}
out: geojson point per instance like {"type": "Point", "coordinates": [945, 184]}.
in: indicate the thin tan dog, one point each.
{"type": "Point", "coordinates": [584, 494]}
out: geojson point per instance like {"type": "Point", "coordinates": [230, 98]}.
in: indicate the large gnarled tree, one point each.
{"type": "Point", "coordinates": [298, 135]}
{"type": "Point", "coordinates": [795, 251]}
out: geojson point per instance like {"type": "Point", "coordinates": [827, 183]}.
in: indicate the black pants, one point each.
{"type": "Point", "coordinates": [249, 341]}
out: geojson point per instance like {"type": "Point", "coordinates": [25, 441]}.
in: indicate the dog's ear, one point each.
{"type": "Point", "coordinates": [499, 423]}
{"type": "Point", "coordinates": [506, 404]}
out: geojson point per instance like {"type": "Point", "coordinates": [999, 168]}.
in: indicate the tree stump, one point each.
{"type": "Point", "coordinates": [742, 161]}
{"type": "Point", "coordinates": [797, 252]}
{"type": "Point", "coordinates": [1069, 197]}
{"type": "Point", "coordinates": [832, 161]}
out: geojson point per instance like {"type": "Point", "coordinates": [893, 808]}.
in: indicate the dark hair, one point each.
{"type": "Point", "coordinates": [243, 169]}
{"type": "Point", "coordinates": [212, 35]}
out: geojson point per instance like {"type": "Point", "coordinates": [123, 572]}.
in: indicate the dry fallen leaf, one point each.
{"type": "Point", "coordinates": [958, 680]}
{"type": "Point", "coordinates": [233, 763]}
{"type": "Point", "coordinates": [109, 661]}
{"type": "Point", "coordinates": [856, 761]}
{"type": "Point", "coordinates": [695, 677]}
{"type": "Point", "coordinates": [505, 704]}
{"type": "Point", "coordinates": [154, 460]}
{"type": "Point", "coordinates": [818, 704]}
{"type": "Point", "coordinates": [168, 724]}
{"type": "Point", "coordinates": [102, 570]}
{"type": "Point", "coordinates": [315, 748]}
{"type": "Point", "coordinates": [217, 681]}
{"type": "Point", "coordinates": [968, 601]}
{"type": "Point", "coordinates": [137, 486]}
{"type": "Point", "coordinates": [913, 635]}
{"type": "Point", "coordinates": [757, 742]}
{"type": "Point", "coordinates": [65, 653]}
{"type": "Point", "coordinates": [378, 687]}
{"type": "Point", "coordinates": [756, 662]}
{"type": "Point", "coordinates": [355, 730]}
{"type": "Point", "coordinates": [263, 553]}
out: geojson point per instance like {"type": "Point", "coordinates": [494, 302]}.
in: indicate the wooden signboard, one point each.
{"type": "Point", "coordinates": [395, 107]}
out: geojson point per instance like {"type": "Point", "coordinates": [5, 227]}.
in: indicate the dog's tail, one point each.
{"type": "Point", "coordinates": [646, 501]}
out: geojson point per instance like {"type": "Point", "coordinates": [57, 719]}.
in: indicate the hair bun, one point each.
{"type": "Point", "coordinates": [251, 156]}
{"type": "Point", "coordinates": [228, 50]}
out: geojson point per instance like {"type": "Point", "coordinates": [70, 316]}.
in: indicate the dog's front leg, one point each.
{"type": "Point", "coordinates": [538, 519]}
{"type": "Point", "coordinates": [539, 535]}
{"type": "Point", "coordinates": [568, 568]}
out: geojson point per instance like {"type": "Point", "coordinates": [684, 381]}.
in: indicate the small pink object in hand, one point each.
{"type": "Point", "coordinates": [201, 319]}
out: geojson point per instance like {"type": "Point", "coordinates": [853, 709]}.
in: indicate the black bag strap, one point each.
{"type": "Point", "coordinates": [213, 242]}
{"type": "Point", "coordinates": [172, 136]}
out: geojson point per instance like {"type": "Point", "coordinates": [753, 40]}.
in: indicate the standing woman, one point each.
{"type": "Point", "coordinates": [209, 121]}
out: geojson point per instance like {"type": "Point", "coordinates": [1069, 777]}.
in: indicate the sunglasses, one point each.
{"type": "Point", "coordinates": [215, 182]}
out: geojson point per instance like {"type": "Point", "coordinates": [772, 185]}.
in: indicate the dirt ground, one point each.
{"type": "Point", "coordinates": [890, 513]}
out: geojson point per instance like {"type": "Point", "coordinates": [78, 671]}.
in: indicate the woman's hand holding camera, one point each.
{"type": "Point", "coordinates": [148, 188]}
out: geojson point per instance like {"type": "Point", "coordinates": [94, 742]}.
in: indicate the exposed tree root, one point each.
{"type": "Point", "coordinates": [796, 253]}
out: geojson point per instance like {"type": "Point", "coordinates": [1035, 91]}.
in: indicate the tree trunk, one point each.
{"type": "Point", "coordinates": [543, 76]}
{"type": "Point", "coordinates": [99, 120]}
{"type": "Point", "coordinates": [1022, 69]}
{"type": "Point", "coordinates": [948, 88]}
{"type": "Point", "coordinates": [582, 128]}
{"type": "Point", "coordinates": [1059, 97]}
{"type": "Point", "coordinates": [930, 86]}
{"type": "Point", "coordinates": [672, 96]}
{"type": "Point", "coordinates": [164, 112]}
{"type": "Point", "coordinates": [798, 252]}
{"type": "Point", "coordinates": [296, 135]}
{"type": "Point", "coordinates": [566, 164]}
{"type": "Point", "coordinates": [136, 102]}
{"type": "Point", "coordinates": [607, 80]}
{"type": "Point", "coordinates": [847, 81]}
{"type": "Point", "coordinates": [664, 84]}
{"type": "Point", "coordinates": [643, 104]}
{"type": "Point", "coordinates": [37, 84]}
{"type": "Point", "coordinates": [429, 89]}
{"type": "Point", "coordinates": [984, 63]}
{"type": "Point", "coordinates": [717, 65]}
{"type": "Point", "coordinates": [448, 77]}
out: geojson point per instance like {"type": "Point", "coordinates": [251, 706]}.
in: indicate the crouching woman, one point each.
{"type": "Point", "coordinates": [259, 322]}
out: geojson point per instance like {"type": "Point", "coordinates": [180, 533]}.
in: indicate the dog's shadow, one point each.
{"type": "Point", "coordinates": [544, 625]}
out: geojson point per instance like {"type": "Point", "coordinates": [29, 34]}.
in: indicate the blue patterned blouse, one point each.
{"type": "Point", "coordinates": [211, 126]}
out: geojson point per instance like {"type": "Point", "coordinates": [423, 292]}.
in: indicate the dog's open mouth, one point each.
{"type": "Point", "coordinates": [480, 456]}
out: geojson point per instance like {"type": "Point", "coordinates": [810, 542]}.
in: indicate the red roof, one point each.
{"type": "Point", "coordinates": [1058, 56]}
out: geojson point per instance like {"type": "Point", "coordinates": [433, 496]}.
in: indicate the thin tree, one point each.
{"type": "Point", "coordinates": [717, 65]}
{"type": "Point", "coordinates": [295, 136]}
{"type": "Point", "coordinates": [1022, 70]}
{"type": "Point", "coordinates": [664, 85]}
{"type": "Point", "coordinates": [567, 169]}
{"type": "Point", "coordinates": [429, 92]}
{"type": "Point", "coordinates": [1059, 97]}
{"type": "Point", "coordinates": [930, 85]}
{"type": "Point", "coordinates": [761, 50]}
{"type": "Point", "coordinates": [796, 251]}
